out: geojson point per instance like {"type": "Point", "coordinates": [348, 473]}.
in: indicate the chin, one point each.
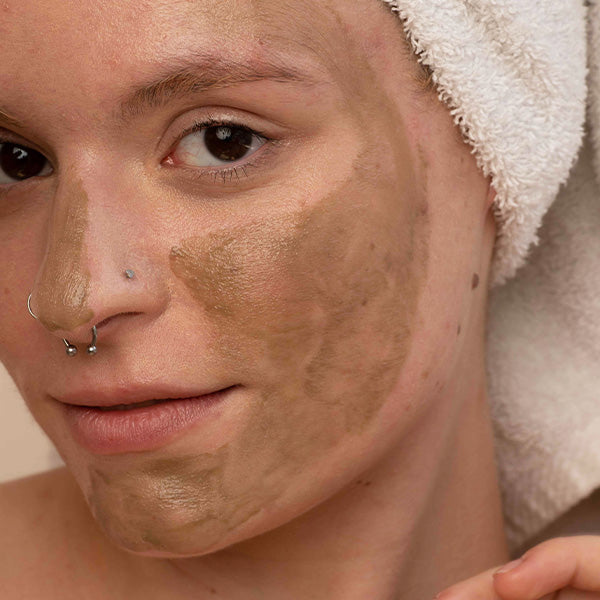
{"type": "Point", "coordinates": [152, 538]}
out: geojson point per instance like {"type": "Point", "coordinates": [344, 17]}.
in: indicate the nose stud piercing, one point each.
{"type": "Point", "coordinates": [130, 274]}
{"type": "Point", "coordinates": [70, 349]}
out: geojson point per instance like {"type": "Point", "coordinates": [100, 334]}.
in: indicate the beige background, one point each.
{"type": "Point", "coordinates": [24, 448]}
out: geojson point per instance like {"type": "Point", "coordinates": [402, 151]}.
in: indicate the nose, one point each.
{"type": "Point", "coordinates": [92, 272]}
{"type": "Point", "coordinates": [61, 294]}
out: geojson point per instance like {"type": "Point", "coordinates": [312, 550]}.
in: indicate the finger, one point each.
{"type": "Point", "coordinates": [480, 587]}
{"type": "Point", "coordinates": [573, 594]}
{"type": "Point", "coordinates": [552, 565]}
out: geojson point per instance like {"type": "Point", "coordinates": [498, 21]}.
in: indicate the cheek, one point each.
{"type": "Point", "coordinates": [318, 302]}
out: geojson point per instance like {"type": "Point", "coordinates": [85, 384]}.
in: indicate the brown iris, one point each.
{"type": "Point", "coordinates": [228, 143]}
{"type": "Point", "coordinates": [20, 162]}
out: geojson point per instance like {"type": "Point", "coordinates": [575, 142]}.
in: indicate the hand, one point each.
{"type": "Point", "coordinates": [566, 568]}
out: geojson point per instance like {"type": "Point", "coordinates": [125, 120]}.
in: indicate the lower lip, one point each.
{"type": "Point", "coordinates": [140, 429]}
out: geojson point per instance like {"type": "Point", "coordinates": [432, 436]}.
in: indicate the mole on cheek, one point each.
{"type": "Point", "coordinates": [62, 291]}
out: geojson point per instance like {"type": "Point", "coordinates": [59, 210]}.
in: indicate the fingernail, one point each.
{"type": "Point", "coordinates": [509, 567]}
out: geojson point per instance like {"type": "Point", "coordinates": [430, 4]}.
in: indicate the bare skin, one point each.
{"type": "Point", "coordinates": [337, 277]}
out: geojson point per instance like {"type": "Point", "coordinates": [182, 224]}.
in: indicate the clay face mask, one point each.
{"type": "Point", "coordinates": [62, 291]}
{"type": "Point", "coordinates": [314, 309]}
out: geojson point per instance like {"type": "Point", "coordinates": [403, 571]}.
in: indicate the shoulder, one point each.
{"type": "Point", "coordinates": [52, 548]}
{"type": "Point", "coordinates": [32, 517]}
{"type": "Point", "coordinates": [25, 503]}
{"type": "Point", "coordinates": [22, 502]}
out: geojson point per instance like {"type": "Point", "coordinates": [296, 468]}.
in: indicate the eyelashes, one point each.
{"type": "Point", "coordinates": [222, 150]}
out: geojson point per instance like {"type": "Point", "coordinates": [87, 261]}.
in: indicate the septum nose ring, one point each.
{"type": "Point", "coordinates": [71, 349]}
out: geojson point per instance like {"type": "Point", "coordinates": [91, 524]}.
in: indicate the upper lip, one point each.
{"type": "Point", "coordinates": [131, 394]}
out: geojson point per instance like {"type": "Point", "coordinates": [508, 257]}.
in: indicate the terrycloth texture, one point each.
{"type": "Point", "coordinates": [594, 81]}
{"type": "Point", "coordinates": [513, 74]}
{"type": "Point", "coordinates": [544, 367]}
{"type": "Point", "coordinates": [544, 350]}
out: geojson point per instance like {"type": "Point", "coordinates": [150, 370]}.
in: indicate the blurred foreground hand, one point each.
{"type": "Point", "coordinates": [566, 568]}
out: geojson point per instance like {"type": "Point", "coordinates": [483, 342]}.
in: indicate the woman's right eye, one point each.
{"type": "Point", "coordinates": [18, 163]}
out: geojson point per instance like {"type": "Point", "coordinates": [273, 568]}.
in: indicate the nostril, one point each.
{"type": "Point", "coordinates": [110, 319]}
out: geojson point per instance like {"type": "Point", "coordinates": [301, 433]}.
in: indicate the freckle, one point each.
{"type": "Point", "coordinates": [475, 283]}
{"type": "Point", "coordinates": [364, 302]}
{"type": "Point", "coordinates": [388, 263]}
{"type": "Point", "coordinates": [425, 374]}
{"type": "Point", "coordinates": [367, 483]}
{"type": "Point", "coordinates": [213, 591]}
{"type": "Point", "coordinates": [372, 246]}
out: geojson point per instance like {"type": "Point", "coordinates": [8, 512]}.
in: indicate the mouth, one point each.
{"type": "Point", "coordinates": [132, 397]}
{"type": "Point", "coordinates": [137, 424]}
{"type": "Point", "coordinates": [134, 406]}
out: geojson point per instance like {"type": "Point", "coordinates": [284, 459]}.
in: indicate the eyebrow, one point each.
{"type": "Point", "coordinates": [205, 72]}
{"type": "Point", "coordinates": [8, 120]}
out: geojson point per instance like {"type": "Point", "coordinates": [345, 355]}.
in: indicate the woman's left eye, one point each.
{"type": "Point", "coordinates": [212, 146]}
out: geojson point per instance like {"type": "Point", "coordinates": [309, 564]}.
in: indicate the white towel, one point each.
{"type": "Point", "coordinates": [513, 74]}
{"type": "Point", "coordinates": [544, 350]}
{"type": "Point", "coordinates": [544, 365]}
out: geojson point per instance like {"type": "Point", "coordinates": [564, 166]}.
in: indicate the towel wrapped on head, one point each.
{"type": "Point", "coordinates": [513, 75]}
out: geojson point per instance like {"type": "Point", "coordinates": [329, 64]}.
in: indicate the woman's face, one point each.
{"type": "Point", "coordinates": [303, 222]}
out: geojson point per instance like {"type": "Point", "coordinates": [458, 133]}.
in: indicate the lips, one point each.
{"type": "Point", "coordinates": [112, 423]}
{"type": "Point", "coordinates": [130, 397]}
{"type": "Point", "coordinates": [133, 406]}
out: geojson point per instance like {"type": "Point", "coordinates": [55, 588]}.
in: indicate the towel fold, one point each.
{"type": "Point", "coordinates": [513, 75]}
{"type": "Point", "coordinates": [543, 365]}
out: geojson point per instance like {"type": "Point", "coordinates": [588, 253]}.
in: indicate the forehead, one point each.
{"type": "Point", "coordinates": [89, 47]}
